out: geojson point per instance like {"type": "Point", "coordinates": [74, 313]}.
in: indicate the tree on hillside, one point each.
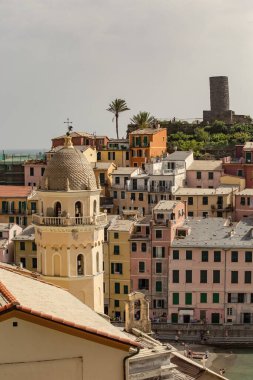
{"type": "Point", "coordinates": [116, 107]}
{"type": "Point", "coordinates": [143, 119]}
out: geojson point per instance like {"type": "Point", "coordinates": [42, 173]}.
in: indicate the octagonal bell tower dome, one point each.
{"type": "Point", "coordinates": [69, 228]}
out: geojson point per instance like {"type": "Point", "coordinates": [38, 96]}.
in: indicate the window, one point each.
{"type": "Point", "coordinates": [42, 171]}
{"type": "Point", "coordinates": [125, 289]}
{"type": "Point", "coordinates": [175, 298]}
{"type": "Point", "coordinates": [117, 288]}
{"type": "Point", "coordinates": [116, 235]}
{"type": "Point", "coordinates": [143, 284]}
{"type": "Point", "coordinates": [102, 178]}
{"type": "Point", "coordinates": [247, 277]}
{"type": "Point", "coordinates": [241, 297]}
{"type": "Point", "coordinates": [80, 265]}
{"type": "Point", "coordinates": [159, 252]}
{"type": "Point", "coordinates": [33, 207]}
{"type": "Point", "coordinates": [158, 234]}
{"type": "Point", "coordinates": [31, 172]}
{"type": "Point", "coordinates": [216, 297]}
{"type": "Point", "coordinates": [198, 175]}
{"type": "Point", "coordinates": [141, 267]}
{"type": "Point", "coordinates": [116, 268]}
{"type": "Point", "coordinates": [158, 304]}
{"type": "Point", "coordinates": [143, 247]}
{"type": "Point", "coordinates": [134, 247]}
{"type": "Point", "coordinates": [34, 246]}
{"type": "Point", "coordinates": [34, 262]}
{"type": "Point", "coordinates": [98, 156]}
{"type": "Point", "coordinates": [190, 213]}
{"type": "Point", "coordinates": [175, 255]}
{"type": "Point", "coordinates": [140, 196]}
{"type": "Point", "coordinates": [116, 303]}
{"type": "Point", "coordinates": [188, 276]}
{"type": "Point", "coordinates": [132, 197]}
{"type": "Point", "coordinates": [243, 201]}
{"type": "Point", "coordinates": [158, 286]}
{"type": "Point", "coordinates": [23, 262]}
{"type": "Point", "coordinates": [190, 201]}
{"type": "Point", "coordinates": [127, 156]}
{"type": "Point", "coordinates": [229, 311]}
{"type": "Point", "coordinates": [205, 200]}
{"type": "Point", "coordinates": [175, 276]}
{"type": "Point", "coordinates": [22, 246]}
{"type": "Point", "coordinates": [216, 276]}
{"type": "Point", "coordinates": [203, 276]}
{"type": "Point", "coordinates": [123, 195]}
{"type": "Point", "coordinates": [158, 267]}
{"type": "Point", "coordinates": [188, 255]}
{"type": "Point", "coordinates": [210, 175]}
{"type": "Point", "coordinates": [234, 277]}
{"type": "Point", "coordinates": [203, 297]}
{"type": "Point", "coordinates": [248, 257]}
{"type": "Point", "coordinates": [117, 180]}
{"type": "Point", "coordinates": [217, 256]}
{"type": "Point", "coordinates": [188, 298]}
{"type": "Point", "coordinates": [234, 256]}
{"type": "Point", "coordinates": [115, 195]}
{"type": "Point", "coordinates": [240, 173]}
{"type": "Point", "coordinates": [116, 250]}
{"type": "Point", "coordinates": [204, 256]}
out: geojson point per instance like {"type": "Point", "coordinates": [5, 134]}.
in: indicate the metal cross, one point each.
{"type": "Point", "coordinates": [70, 127]}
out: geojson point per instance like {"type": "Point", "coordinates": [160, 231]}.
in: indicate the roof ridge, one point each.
{"type": "Point", "coordinates": [8, 295]}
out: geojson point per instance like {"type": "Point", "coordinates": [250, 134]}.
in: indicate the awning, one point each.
{"type": "Point", "coordinates": [185, 312]}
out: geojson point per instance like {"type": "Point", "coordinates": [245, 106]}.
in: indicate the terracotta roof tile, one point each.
{"type": "Point", "coordinates": [15, 191]}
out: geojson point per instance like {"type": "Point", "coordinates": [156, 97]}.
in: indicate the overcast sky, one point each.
{"type": "Point", "coordinates": [71, 58]}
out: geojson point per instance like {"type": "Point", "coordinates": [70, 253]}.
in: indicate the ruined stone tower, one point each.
{"type": "Point", "coordinates": [219, 94]}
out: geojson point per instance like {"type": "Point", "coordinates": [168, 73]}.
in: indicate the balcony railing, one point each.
{"type": "Point", "coordinates": [159, 189]}
{"type": "Point", "coordinates": [17, 212]}
{"type": "Point", "coordinates": [69, 221]}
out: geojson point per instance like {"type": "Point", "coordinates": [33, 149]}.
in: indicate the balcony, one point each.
{"type": "Point", "coordinates": [69, 221]}
{"type": "Point", "coordinates": [159, 189]}
{"type": "Point", "coordinates": [130, 187]}
{"type": "Point", "coordinates": [106, 202]}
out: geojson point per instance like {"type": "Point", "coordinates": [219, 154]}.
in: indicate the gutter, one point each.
{"type": "Point", "coordinates": [126, 377]}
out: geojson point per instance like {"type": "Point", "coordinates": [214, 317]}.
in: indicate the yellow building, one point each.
{"type": "Point", "coordinates": [69, 228]}
{"type": "Point", "coordinates": [120, 157]}
{"type": "Point", "coordinates": [217, 202]}
{"type": "Point", "coordinates": [103, 173]}
{"type": "Point", "coordinates": [49, 334]}
{"type": "Point", "coordinates": [233, 180]}
{"type": "Point", "coordinates": [117, 255]}
{"type": "Point", "coordinates": [25, 249]}
{"type": "Point", "coordinates": [18, 203]}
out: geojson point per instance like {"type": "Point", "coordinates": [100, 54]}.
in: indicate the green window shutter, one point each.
{"type": "Point", "coordinates": [216, 297]}
{"type": "Point", "coordinates": [203, 297]}
{"type": "Point", "coordinates": [117, 287]}
{"type": "Point", "coordinates": [125, 289]}
{"type": "Point", "coordinates": [175, 298]}
{"type": "Point", "coordinates": [188, 298]}
{"type": "Point", "coordinates": [158, 286]}
{"type": "Point", "coordinates": [112, 268]}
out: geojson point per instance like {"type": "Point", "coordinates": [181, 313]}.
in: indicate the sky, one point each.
{"type": "Point", "coordinates": [70, 58]}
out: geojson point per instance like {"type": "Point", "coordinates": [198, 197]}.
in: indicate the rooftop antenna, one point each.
{"type": "Point", "coordinates": [70, 127]}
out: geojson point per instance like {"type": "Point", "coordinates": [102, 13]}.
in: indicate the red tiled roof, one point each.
{"type": "Point", "coordinates": [13, 303]}
{"type": "Point", "coordinates": [15, 191]}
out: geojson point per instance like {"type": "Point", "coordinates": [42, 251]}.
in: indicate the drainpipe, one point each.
{"type": "Point", "coordinates": [225, 284]}
{"type": "Point", "coordinates": [126, 377]}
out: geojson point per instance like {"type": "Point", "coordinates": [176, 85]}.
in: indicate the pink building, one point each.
{"type": "Point", "coordinates": [34, 170]}
{"type": "Point", "coordinates": [204, 173]}
{"type": "Point", "coordinates": [7, 233]}
{"type": "Point", "coordinates": [210, 272]}
{"type": "Point", "coordinates": [243, 204]}
{"type": "Point", "coordinates": [150, 243]}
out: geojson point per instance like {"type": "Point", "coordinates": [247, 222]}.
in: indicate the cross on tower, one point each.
{"type": "Point", "coordinates": [70, 127]}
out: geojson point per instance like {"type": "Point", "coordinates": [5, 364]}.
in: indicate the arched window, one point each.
{"type": "Point", "coordinates": [97, 262]}
{"type": "Point", "coordinates": [94, 207]}
{"type": "Point", "coordinates": [57, 265]}
{"type": "Point", "coordinates": [78, 209]}
{"type": "Point", "coordinates": [80, 265]}
{"type": "Point", "coordinates": [57, 209]}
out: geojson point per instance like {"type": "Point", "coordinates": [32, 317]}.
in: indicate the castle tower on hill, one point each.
{"type": "Point", "coordinates": [69, 228]}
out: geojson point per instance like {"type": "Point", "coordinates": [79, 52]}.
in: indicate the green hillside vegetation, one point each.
{"type": "Point", "coordinates": [215, 136]}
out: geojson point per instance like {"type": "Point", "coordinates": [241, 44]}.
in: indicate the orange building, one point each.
{"type": "Point", "coordinates": [147, 143]}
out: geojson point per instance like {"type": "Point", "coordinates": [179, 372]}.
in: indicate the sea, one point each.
{"type": "Point", "coordinates": [29, 153]}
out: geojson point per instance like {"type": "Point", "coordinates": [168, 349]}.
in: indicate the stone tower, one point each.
{"type": "Point", "coordinates": [219, 94]}
{"type": "Point", "coordinates": [69, 228]}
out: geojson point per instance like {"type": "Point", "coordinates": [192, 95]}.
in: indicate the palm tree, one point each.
{"type": "Point", "coordinates": [143, 120]}
{"type": "Point", "coordinates": [116, 107]}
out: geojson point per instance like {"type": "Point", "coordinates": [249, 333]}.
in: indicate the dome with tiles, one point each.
{"type": "Point", "coordinates": [67, 170]}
